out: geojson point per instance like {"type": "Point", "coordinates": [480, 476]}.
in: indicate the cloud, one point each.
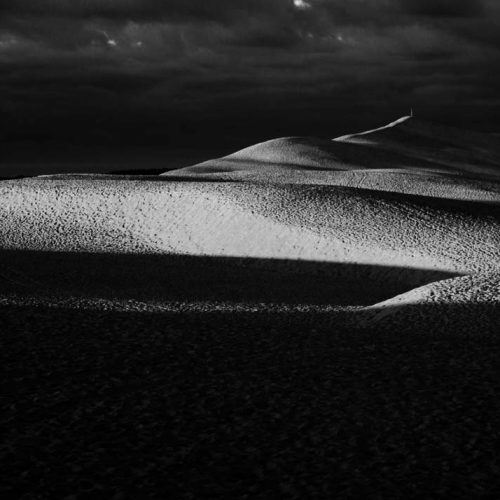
{"type": "Point", "coordinates": [302, 4]}
{"type": "Point", "coordinates": [445, 8]}
{"type": "Point", "coordinates": [138, 10]}
{"type": "Point", "coordinates": [251, 67]}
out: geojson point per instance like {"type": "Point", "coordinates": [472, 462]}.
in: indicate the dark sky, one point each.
{"type": "Point", "coordinates": [115, 78]}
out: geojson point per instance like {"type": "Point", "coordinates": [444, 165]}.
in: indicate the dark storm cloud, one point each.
{"type": "Point", "coordinates": [165, 10]}
{"type": "Point", "coordinates": [445, 8]}
{"type": "Point", "coordinates": [198, 70]}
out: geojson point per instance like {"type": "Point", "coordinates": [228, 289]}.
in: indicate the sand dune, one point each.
{"type": "Point", "coordinates": [338, 301]}
{"type": "Point", "coordinates": [445, 148]}
{"type": "Point", "coordinates": [407, 156]}
{"type": "Point", "coordinates": [467, 305]}
{"type": "Point", "coordinates": [408, 144]}
{"type": "Point", "coordinates": [377, 199]}
{"type": "Point", "coordinates": [319, 223]}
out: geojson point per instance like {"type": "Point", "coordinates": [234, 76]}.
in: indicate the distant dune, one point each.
{"type": "Point", "coordinates": [443, 147]}
{"type": "Point", "coordinates": [407, 156]}
{"type": "Point", "coordinates": [406, 144]}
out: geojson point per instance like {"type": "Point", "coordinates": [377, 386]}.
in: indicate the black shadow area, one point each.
{"type": "Point", "coordinates": [103, 404]}
{"type": "Point", "coordinates": [205, 278]}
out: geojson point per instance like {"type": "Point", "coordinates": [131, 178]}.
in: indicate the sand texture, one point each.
{"type": "Point", "coordinates": [305, 318]}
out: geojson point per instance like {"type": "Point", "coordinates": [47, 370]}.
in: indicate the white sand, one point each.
{"type": "Point", "coordinates": [320, 223]}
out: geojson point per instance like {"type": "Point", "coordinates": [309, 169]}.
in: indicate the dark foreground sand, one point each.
{"type": "Point", "coordinates": [107, 404]}
{"type": "Point", "coordinates": [219, 391]}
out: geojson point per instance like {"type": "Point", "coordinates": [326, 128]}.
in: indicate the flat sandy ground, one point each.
{"type": "Point", "coordinates": [285, 323]}
{"type": "Point", "coordinates": [104, 404]}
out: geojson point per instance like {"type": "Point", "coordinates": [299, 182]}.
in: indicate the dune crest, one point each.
{"type": "Point", "coordinates": [395, 123]}
{"type": "Point", "coordinates": [408, 156]}
{"type": "Point", "coordinates": [445, 148]}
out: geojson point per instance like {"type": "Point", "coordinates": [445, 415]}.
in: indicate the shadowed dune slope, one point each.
{"type": "Point", "coordinates": [447, 148]}
{"type": "Point", "coordinates": [196, 283]}
{"type": "Point", "coordinates": [314, 223]}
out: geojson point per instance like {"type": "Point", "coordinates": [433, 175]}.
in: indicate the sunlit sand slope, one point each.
{"type": "Point", "coordinates": [465, 305]}
{"type": "Point", "coordinates": [320, 223]}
